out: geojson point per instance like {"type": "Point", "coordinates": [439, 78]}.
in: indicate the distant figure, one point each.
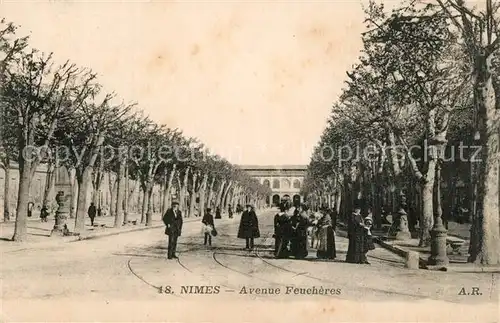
{"type": "Point", "coordinates": [44, 213]}
{"type": "Point", "coordinates": [99, 211]}
{"type": "Point", "coordinates": [217, 213]}
{"type": "Point", "coordinates": [249, 227]}
{"type": "Point", "coordinates": [173, 228]}
{"type": "Point", "coordinates": [30, 209]}
{"type": "Point", "coordinates": [208, 227]}
{"type": "Point", "coordinates": [92, 212]}
{"type": "Point", "coordinates": [230, 211]}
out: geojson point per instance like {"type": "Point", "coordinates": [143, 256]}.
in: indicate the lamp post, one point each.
{"type": "Point", "coordinates": [438, 255]}
{"type": "Point", "coordinates": [62, 214]}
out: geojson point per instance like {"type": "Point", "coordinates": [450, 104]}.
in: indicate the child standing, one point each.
{"type": "Point", "coordinates": [208, 226]}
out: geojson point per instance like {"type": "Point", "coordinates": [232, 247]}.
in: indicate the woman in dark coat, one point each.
{"type": "Point", "coordinates": [326, 237]}
{"type": "Point", "coordinates": [299, 223]}
{"type": "Point", "coordinates": [249, 227]}
{"type": "Point", "coordinates": [356, 236]}
{"type": "Point", "coordinates": [217, 213]}
{"type": "Point", "coordinates": [283, 232]}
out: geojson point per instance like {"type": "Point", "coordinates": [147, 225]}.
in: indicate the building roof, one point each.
{"type": "Point", "coordinates": [273, 167]}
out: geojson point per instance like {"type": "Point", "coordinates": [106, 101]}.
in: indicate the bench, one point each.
{"type": "Point", "coordinates": [455, 243]}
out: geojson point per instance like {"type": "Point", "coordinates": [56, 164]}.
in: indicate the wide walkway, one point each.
{"type": "Point", "coordinates": [86, 280]}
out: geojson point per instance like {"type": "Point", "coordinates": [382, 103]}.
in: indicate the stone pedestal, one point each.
{"type": "Point", "coordinates": [400, 221]}
{"type": "Point", "coordinates": [62, 213]}
{"type": "Point", "coordinates": [412, 260]}
{"type": "Point", "coordinates": [438, 255]}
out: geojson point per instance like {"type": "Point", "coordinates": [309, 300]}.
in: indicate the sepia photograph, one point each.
{"type": "Point", "coordinates": [250, 161]}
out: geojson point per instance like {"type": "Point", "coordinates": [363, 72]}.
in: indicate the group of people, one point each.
{"type": "Point", "coordinates": [248, 229]}
{"type": "Point", "coordinates": [291, 232]}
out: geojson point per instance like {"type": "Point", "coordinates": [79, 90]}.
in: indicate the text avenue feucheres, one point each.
{"type": "Point", "coordinates": [287, 290]}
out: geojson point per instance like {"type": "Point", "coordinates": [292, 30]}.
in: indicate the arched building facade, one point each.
{"type": "Point", "coordinates": [285, 181]}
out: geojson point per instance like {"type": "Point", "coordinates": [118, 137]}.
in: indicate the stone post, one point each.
{"type": "Point", "coordinates": [412, 260]}
{"type": "Point", "coordinates": [62, 214]}
{"type": "Point", "coordinates": [403, 232]}
{"type": "Point", "coordinates": [438, 255]}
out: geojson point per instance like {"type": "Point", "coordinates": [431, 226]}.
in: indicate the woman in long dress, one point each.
{"type": "Point", "coordinates": [356, 236]}
{"type": "Point", "coordinates": [300, 239]}
{"type": "Point", "coordinates": [283, 233]}
{"type": "Point", "coordinates": [326, 237]}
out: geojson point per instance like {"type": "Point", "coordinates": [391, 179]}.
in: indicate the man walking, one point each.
{"type": "Point", "coordinates": [249, 227]}
{"type": "Point", "coordinates": [92, 212]}
{"type": "Point", "coordinates": [173, 223]}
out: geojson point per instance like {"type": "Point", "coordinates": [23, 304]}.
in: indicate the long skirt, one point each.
{"type": "Point", "coordinates": [356, 249]}
{"type": "Point", "coordinates": [298, 244]}
{"type": "Point", "coordinates": [282, 246]}
{"type": "Point", "coordinates": [326, 249]}
{"type": "Point", "coordinates": [369, 245]}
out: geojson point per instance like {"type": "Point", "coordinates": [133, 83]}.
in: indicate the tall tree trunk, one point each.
{"type": "Point", "coordinates": [219, 194]}
{"type": "Point", "coordinates": [203, 188]}
{"type": "Point", "coordinates": [210, 192]}
{"type": "Point", "coordinates": [183, 193]}
{"type": "Point", "coordinates": [120, 194]}
{"type": "Point", "coordinates": [223, 201]}
{"type": "Point", "coordinates": [98, 176]}
{"type": "Point", "coordinates": [131, 196]}
{"type": "Point", "coordinates": [192, 202]}
{"type": "Point", "coordinates": [149, 198]}
{"type": "Point", "coordinates": [113, 190]}
{"type": "Point", "coordinates": [235, 197]}
{"type": "Point", "coordinates": [164, 184]}
{"type": "Point", "coordinates": [427, 216]}
{"type": "Point", "coordinates": [488, 242]}
{"type": "Point", "coordinates": [427, 213]}
{"type": "Point", "coordinates": [74, 192]}
{"type": "Point", "coordinates": [127, 193]}
{"type": "Point", "coordinates": [48, 193]}
{"type": "Point", "coordinates": [20, 229]}
{"type": "Point", "coordinates": [144, 207]}
{"type": "Point", "coordinates": [168, 192]}
{"type": "Point", "coordinates": [84, 179]}
{"type": "Point", "coordinates": [6, 191]}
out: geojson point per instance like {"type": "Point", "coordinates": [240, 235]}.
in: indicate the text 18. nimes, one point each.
{"type": "Point", "coordinates": [286, 290]}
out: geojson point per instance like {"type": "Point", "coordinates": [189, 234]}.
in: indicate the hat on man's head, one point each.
{"type": "Point", "coordinates": [209, 209]}
{"type": "Point", "coordinates": [248, 205]}
{"type": "Point", "coordinates": [175, 203]}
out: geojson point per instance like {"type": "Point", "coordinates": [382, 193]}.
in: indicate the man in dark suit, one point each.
{"type": "Point", "coordinates": [173, 223]}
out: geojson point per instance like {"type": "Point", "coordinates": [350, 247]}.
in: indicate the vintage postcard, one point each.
{"type": "Point", "coordinates": [250, 161]}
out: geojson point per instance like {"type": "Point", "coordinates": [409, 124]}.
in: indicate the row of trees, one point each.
{"type": "Point", "coordinates": [59, 115]}
{"type": "Point", "coordinates": [421, 108]}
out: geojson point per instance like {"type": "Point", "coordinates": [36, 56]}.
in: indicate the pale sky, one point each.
{"type": "Point", "coordinates": [254, 81]}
